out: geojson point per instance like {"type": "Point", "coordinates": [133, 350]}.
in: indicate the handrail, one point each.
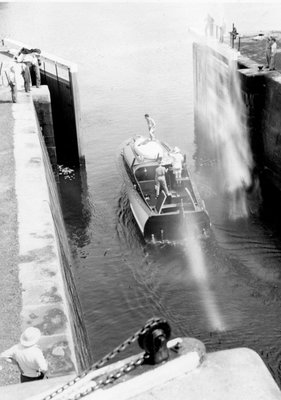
{"type": "Point", "coordinates": [44, 56]}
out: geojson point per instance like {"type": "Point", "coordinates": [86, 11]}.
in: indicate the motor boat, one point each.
{"type": "Point", "coordinates": [168, 216]}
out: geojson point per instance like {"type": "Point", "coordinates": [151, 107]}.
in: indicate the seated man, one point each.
{"type": "Point", "coordinates": [160, 179]}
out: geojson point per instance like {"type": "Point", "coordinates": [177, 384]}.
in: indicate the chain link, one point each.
{"type": "Point", "coordinates": [110, 378]}
{"type": "Point", "coordinates": [98, 364]}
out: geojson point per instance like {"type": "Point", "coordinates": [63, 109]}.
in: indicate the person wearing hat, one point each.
{"type": "Point", "coordinates": [160, 179]}
{"type": "Point", "coordinates": [268, 51]}
{"type": "Point", "coordinates": [26, 77]}
{"type": "Point", "coordinates": [12, 79]}
{"type": "Point", "coordinates": [151, 126]}
{"type": "Point", "coordinates": [28, 356]}
{"type": "Point", "coordinates": [177, 163]}
{"type": "Point", "coordinates": [273, 54]}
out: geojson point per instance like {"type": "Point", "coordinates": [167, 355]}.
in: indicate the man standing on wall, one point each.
{"type": "Point", "coordinates": [151, 126]}
{"type": "Point", "coordinates": [32, 59]}
{"type": "Point", "coordinates": [26, 76]}
{"type": "Point", "coordinates": [13, 83]}
{"type": "Point", "coordinates": [273, 54]}
{"type": "Point", "coordinates": [28, 356]}
{"type": "Point", "coordinates": [268, 51]}
{"type": "Point", "coordinates": [36, 69]}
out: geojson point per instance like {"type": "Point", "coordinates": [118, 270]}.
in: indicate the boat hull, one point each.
{"type": "Point", "coordinates": [176, 228]}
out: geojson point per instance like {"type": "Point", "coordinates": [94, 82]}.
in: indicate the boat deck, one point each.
{"type": "Point", "coordinates": [180, 196]}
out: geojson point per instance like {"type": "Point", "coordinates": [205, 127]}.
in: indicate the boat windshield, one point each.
{"type": "Point", "coordinates": [146, 173]}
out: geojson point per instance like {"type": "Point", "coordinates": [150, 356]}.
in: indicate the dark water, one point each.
{"type": "Point", "coordinates": [135, 59]}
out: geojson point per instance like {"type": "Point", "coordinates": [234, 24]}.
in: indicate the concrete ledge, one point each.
{"type": "Point", "coordinates": [44, 302]}
{"type": "Point", "coordinates": [228, 375]}
{"type": "Point", "coordinates": [25, 391]}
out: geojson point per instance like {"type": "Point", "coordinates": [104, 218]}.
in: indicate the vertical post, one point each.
{"type": "Point", "coordinates": [72, 72]}
{"type": "Point", "coordinates": [1, 74]}
{"type": "Point", "coordinates": [233, 35]}
{"type": "Point", "coordinates": [44, 66]}
{"type": "Point", "coordinates": [211, 26]}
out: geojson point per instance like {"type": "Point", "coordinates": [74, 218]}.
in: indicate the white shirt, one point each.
{"type": "Point", "coordinates": [25, 58]}
{"type": "Point", "coordinates": [177, 160]}
{"type": "Point", "coordinates": [12, 77]}
{"type": "Point", "coordinates": [30, 359]}
{"type": "Point", "coordinates": [274, 48]}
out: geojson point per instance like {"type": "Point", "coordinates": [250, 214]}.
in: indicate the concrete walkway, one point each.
{"type": "Point", "coordinates": [32, 288]}
{"type": "Point", "coordinates": [10, 292]}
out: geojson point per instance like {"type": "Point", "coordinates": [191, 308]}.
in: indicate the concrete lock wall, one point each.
{"type": "Point", "coordinates": [263, 98]}
{"type": "Point", "coordinates": [62, 103]}
{"type": "Point", "coordinates": [261, 93]}
{"type": "Point", "coordinates": [49, 298]}
{"type": "Point", "coordinates": [42, 103]}
{"type": "Point", "coordinates": [210, 70]}
{"type": "Point", "coordinates": [77, 324]}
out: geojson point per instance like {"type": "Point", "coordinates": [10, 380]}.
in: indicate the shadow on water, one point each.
{"type": "Point", "coordinates": [76, 204]}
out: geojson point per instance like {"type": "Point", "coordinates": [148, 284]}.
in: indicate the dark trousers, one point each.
{"type": "Point", "coordinates": [26, 78]}
{"type": "Point", "coordinates": [36, 70]}
{"type": "Point", "coordinates": [24, 378]}
{"type": "Point", "coordinates": [14, 92]}
{"type": "Point", "coordinates": [272, 61]}
{"type": "Point", "coordinates": [267, 56]}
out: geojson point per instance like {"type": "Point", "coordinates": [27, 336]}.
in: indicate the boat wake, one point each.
{"type": "Point", "coordinates": [196, 261]}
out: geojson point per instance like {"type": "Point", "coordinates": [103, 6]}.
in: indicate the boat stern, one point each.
{"type": "Point", "coordinates": [168, 228]}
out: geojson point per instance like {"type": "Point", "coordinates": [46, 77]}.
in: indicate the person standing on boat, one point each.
{"type": "Point", "coordinates": [177, 163]}
{"type": "Point", "coordinates": [160, 179]}
{"type": "Point", "coordinates": [151, 126]}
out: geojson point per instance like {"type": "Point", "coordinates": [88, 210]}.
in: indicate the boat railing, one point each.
{"type": "Point", "coordinates": [190, 196]}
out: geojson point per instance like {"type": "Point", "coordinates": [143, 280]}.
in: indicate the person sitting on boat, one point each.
{"type": "Point", "coordinates": [160, 179]}
{"type": "Point", "coordinates": [177, 163]}
{"type": "Point", "coordinates": [151, 126]}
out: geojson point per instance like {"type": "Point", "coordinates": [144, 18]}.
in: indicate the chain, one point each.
{"type": "Point", "coordinates": [150, 324]}
{"type": "Point", "coordinates": [111, 377]}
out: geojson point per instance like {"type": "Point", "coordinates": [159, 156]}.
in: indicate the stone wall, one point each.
{"type": "Point", "coordinates": [261, 92]}
{"type": "Point", "coordinates": [76, 318]}
{"type": "Point", "coordinates": [42, 102]}
{"type": "Point", "coordinates": [49, 299]}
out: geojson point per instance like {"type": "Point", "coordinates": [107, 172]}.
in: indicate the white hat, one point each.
{"type": "Point", "coordinates": [30, 336]}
